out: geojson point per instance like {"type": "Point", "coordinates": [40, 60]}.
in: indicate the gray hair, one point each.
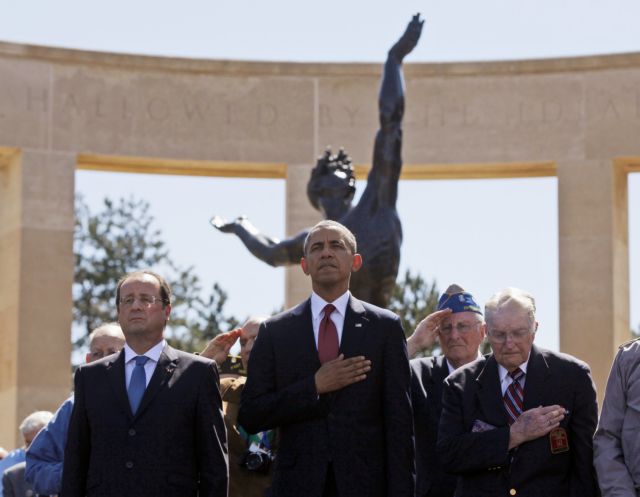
{"type": "Point", "coordinates": [509, 297]}
{"type": "Point", "coordinates": [35, 422]}
{"type": "Point", "coordinates": [349, 238]}
{"type": "Point", "coordinates": [109, 329]}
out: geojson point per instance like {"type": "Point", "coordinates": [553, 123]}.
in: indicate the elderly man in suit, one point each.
{"type": "Point", "coordinates": [459, 327]}
{"type": "Point", "coordinates": [519, 421]}
{"type": "Point", "coordinates": [146, 422]}
{"type": "Point", "coordinates": [333, 375]}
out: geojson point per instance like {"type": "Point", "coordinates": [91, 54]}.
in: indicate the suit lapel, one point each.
{"type": "Point", "coordinates": [302, 339]}
{"type": "Point", "coordinates": [116, 378]}
{"type": "Point", "coordinates": [354, 328]}
{"type": "Point", "coordinates": [536, 384]}
{"type": "Point", "coordinates": [167, 363]}
{"type": "Point", "coordinates": [490, 394]}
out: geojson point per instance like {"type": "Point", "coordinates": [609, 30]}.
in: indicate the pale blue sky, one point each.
{"type": "Point", "coordinates": [487, 248]}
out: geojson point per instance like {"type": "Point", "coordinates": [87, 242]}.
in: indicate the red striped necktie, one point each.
{"type": "Point", "coordinates": [328, 346]}
{"type": "Point", "coordinates": [513, 396]}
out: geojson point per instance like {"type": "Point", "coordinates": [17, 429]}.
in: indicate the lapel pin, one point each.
{"type": "Point", "coordinates": [358, 325]}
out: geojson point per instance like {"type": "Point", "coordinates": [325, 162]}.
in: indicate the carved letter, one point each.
{"type": "Point", "coordinates": [69, 103]}
{"type": "Point", "coordinates": [33, 99]}
{"type": "Point", "coordinates": [324, 115]}
{"type": "Point", "coordinates": [157, 109]}
{"type": "Point", "coordinates": [227, 113]}
{"type": "Point", "coordinates": [195, 108]}
{"type": "Point", "coordinates": [611, 107]}
{"type": "Point", "coordinates": [551, 111]}
{"type": "Point", "coordinates": [352, 115]}
{"type": "Point", "coordinates": [99, 107]}
{"type": "Point", "coordinates": [467, 119]}
{"type": "Point", "coordinates": [267, 115]}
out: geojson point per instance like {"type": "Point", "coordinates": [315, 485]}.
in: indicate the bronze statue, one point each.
{"type": "Point", "coordinates": [374, 220]}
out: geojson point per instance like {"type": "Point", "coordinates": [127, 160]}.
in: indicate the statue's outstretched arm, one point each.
{"type": "Point", "coordinates": [387, 160]}
{"type": "Point", "coordinates": [270, 250]}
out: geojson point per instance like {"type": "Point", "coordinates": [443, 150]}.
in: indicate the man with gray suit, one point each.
{"type": "Point", "coordinates": [148, 421]}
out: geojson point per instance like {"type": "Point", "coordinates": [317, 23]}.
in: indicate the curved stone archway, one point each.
{"type": "Point", "coordinates": [575, 118]}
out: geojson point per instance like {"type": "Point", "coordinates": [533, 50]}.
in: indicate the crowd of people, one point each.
{"type": "Point", "coordinates": [329, 399]}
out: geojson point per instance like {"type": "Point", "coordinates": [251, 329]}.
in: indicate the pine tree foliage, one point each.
{"type": "Point", "coordinates": [121, 238]}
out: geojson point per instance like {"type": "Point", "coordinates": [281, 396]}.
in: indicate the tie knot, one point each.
{"type": "Point", "coordinates": [516, 374]}
{"type": "Point", "coordinates": [141, 360]}
{"type": "Point", "coordinates": [328, 309]}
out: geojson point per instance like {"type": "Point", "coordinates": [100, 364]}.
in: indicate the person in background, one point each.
{"type": "Point", "coordinates": [250, 456]}
{"type": "Point", "coordinates": [46, 454]}
{"type": "Point", "coordinates": [29, 428]}
{"type": "Point", "coordinates": [459, 327]}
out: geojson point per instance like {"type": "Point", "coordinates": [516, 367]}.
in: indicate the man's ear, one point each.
{"type": "Point", "coordinates": [303, 265]}
{"type": "Point", "coordinates": [356, 263]}
{"type": "Point", "coordinates": [167, 311]}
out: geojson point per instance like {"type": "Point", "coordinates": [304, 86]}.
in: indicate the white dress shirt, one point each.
{"type": "Point", "coordinates": [505, 377]}
{"type": "Point", "coordinates": [451, 366]}
{"type": "Point", "coordinates": [337, 316]}
{"type": "Point", "coordinates": [150, 366]}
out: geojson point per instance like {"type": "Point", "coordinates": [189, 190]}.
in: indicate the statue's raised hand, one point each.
{"type": "Point", "coordinates": [408, 40]}
{"type": "Point", "coordinates": [226, 226]}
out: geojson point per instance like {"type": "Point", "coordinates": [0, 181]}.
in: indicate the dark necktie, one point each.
{"type": "Point", "coordinates": [138, 383]}
{"type": "Point", "coordinates": [328, 345]}
{"type": "Point", "coordinates": [513, 396]}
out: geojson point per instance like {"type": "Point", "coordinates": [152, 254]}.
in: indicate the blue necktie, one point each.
{"type": "Point", "coordinates": [138, 383]}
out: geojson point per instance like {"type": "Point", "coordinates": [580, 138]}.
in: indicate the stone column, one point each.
{"type": "Point", "coordinates": [594, 263]}
{"type": "Point", "coordinates": [36, 264]}
{"type": "Point", "coordinates": [300, 215]}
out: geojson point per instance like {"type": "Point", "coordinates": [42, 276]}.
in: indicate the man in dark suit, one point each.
{"type": "Point", "coordinates": [459, 327]}
{"type": "Point", "coordinates": [519, 421]}
{"type": "Point", "coordinates": [333, 375]}
{"type": "Point", "coordinates": [146, 422]}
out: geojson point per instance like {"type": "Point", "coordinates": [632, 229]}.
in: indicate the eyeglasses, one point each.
{"type": "Point", "coordinates": [502, 336]}
{"type": "Point", "coordinates": [145, 300]}
{"type": "Point", "coordinates": [462, 328]}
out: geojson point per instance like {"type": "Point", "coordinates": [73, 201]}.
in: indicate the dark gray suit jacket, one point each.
{"type": "Point", "coordinates": [174, 446]}
{"type": "Point", "coordinates": [14, 484]}
{"type": "Point", "coordinates": [364, 430]}
{"type": "Point", "coordinates": [427, 377]}
{"type": "Point", "coordinates": [472, 395]}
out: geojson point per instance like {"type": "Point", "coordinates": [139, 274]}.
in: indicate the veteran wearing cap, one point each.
{"type": "Point", "coordinates": [459, 326]}
{"type": "Point", "coordinates": [519, 421]}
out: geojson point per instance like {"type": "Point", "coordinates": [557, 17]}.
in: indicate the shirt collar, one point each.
{"type": "Point", "coordinates": [452, 368]}
{"type": "Point", "coordinates": [153, 353]}
{"type": "Point", "coordinates": [502, 371]}
{"type": "Point", "coordinates": [318, 304]}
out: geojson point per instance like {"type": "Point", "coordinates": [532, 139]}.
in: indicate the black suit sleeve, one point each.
{"type": "Point", "coordinates": [212, 439]}
{"type": "Point", "coordinates": [76, 453]}
{"type": "Point", "coordinates": [265, 405]}
{"type": "Point", "coordinates": [398, 415]}
{"type": "Point", "coordinates": [461, 450]}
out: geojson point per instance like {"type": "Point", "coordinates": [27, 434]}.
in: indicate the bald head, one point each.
{"type": "Point", "coordinates": [105, 340]}
{"type": "Point", "coordinates": [248, 337]}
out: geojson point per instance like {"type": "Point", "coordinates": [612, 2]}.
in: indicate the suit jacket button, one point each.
{"type": "Point", "coordinates": [129, 465]}
{"type": "Point", "coordinates": [131, 432]}
{"type": "Point", "coordinates": [513, 491]}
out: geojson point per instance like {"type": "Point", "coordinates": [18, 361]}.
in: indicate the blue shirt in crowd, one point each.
{"type": "Point", "coordinates": [14, 457]}
{"type": "Point", "coordinates": [46, 453]}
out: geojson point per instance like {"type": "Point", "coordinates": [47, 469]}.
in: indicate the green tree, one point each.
{"type": "Point", "coordinates": [211, 321]}
{"type": "Point", "coordinates": [413, 298]}
{"type": "Point", "coordinates": [121, 238]}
